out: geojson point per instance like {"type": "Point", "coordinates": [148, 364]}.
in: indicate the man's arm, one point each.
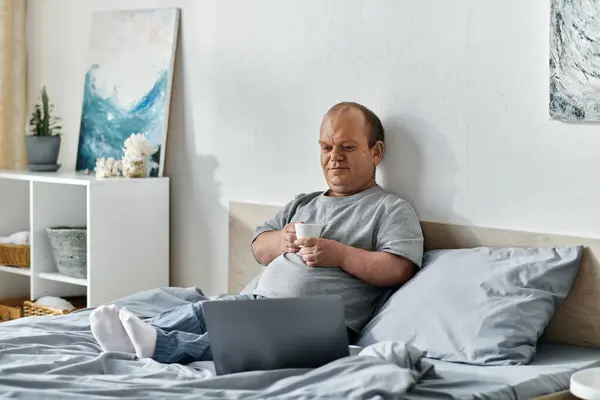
{"type": "Point", "coordinates": [376, 267]}
{"type": "Point", "coordinates": [397, 253]}
{"type": "Point", "coordinates": [269, 245]}
{"type": "Point", "coordinates": [276, 236]}
{"type": "Point", "coordinates": [398, 233]}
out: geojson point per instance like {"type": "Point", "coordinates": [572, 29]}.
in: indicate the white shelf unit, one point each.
{"type": "Point", "coordinates": [127, 224]}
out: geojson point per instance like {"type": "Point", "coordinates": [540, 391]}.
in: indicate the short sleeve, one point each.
{"type": "Point", "coordinates": [400, 233]}
{"type": "Point", "coordinates": [280, 219]}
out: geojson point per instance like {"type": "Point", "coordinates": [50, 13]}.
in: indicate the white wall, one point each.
{"type": "Point", "coordinates": [461, 85]}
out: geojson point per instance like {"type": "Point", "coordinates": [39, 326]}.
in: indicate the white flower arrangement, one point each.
{"type": "Point", "coordinates": [108, 168]}
{"type": "Point", "coordinates": [136, 152]}
{"type": "Point", "coordinates": [137, 148]}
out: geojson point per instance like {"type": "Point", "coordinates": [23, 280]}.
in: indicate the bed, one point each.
{"type": "Point", "coordinates": [570, 342]}
{"type": "Point", "coordinates": [57, 357]}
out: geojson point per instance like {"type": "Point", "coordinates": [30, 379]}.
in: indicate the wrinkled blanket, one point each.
{"type": "Point", "coordinates": [58, 358]}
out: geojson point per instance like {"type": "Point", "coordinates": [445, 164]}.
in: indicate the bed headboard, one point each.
{"type": "Point", "coordinates": [577, 321]}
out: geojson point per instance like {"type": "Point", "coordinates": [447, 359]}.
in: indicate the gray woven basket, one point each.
{"type": "Point", "coordinates": [69, 248]}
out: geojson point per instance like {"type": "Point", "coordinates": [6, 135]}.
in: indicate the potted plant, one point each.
{"type": "Point", "coordinates": [43, 141]}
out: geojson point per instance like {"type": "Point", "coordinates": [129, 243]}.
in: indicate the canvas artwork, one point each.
{"type": "Point", "coordinates": [128, 83]}
{"type": "Point", "coordinates": [575, 60]}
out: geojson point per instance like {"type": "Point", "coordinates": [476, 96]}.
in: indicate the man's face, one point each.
{"type": "Point", "coordinates": [347, 161]}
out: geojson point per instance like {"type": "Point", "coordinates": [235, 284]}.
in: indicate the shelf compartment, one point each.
{"type": "Point", "coordinates": [14, 204]}
{"type": "Point", "coordinates": [54, 205]}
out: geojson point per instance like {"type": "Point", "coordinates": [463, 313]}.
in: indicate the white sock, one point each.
{"type": "Point", "coordinates": [108, 330]}
{"type": "Point", "coordinates": [141, 334]}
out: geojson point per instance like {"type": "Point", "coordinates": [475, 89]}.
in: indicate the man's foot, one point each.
{"type": "Point", "coordinates": [108, 330]}
{"type": "Point", "coordinates": [141, 334]}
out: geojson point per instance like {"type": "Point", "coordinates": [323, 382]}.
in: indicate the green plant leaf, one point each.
{"type": "Point", "coordinates": [42, 122]}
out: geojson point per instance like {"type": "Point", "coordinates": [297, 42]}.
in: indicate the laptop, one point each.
{"type": "Point", "coordinates": [266, 334]}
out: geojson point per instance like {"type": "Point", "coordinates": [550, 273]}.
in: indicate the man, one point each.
{"type": "Point", "coordinates": [372, 241]}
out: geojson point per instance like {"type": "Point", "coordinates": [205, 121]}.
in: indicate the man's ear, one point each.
{"type": "Point", "coordinates": [377, 151]}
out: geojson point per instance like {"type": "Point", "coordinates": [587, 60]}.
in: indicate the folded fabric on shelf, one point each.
{"type": "Point", "coordinates": [16, 238]}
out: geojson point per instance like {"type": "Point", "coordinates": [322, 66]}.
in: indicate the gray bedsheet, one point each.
{"type": "Point", "coordinates": [58, 358]}
{"type": "Point", "coordinates": [549, 372]}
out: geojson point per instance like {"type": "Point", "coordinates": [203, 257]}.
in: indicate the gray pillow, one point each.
{"type": "Point", "coordinates": [484, 306]}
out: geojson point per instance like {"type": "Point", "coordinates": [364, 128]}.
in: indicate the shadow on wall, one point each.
{"type": "Point", "coordinates": [195, 207]}
{"type": "Point", "coordinates": [419, 166]}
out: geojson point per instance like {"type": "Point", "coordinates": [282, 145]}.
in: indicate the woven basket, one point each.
{"type": "Point", "coordinates": [21, 307]}
{"type": "Point", "coordinates": [31, 309]}
{"type": "Point", "coordinates": [11, 309]}
{"type": "Point", "coordinates": [15, 255]}
{"type": "Point", "coordinates": [69, 248]}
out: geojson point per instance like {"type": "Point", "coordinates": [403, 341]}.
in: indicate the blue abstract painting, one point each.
{"type": "Point", "coordinates": [127, 84]}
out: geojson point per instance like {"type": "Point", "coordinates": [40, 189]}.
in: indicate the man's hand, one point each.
{"type": "Point", "coordinates": [288, 239]}
{"type": "Point", "coordinates": [318, 252]}
{"type": "Point", "coordinates": [271, 244]}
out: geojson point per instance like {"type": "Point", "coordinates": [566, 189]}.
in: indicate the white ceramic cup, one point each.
{"type": "Point", "coordinates": [308, 230]}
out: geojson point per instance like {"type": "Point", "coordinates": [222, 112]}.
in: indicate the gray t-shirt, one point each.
{"type": "Point", "coordinates": [372, 220]}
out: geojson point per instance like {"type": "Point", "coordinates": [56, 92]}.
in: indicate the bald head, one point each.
{"type": "Point", "coordinates": [352, 147]}
{"type": "Point", "coordinates": [373, 125]}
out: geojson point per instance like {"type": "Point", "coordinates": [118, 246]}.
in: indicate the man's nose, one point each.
{"type": "Point", "coordinates": [337, 154]}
